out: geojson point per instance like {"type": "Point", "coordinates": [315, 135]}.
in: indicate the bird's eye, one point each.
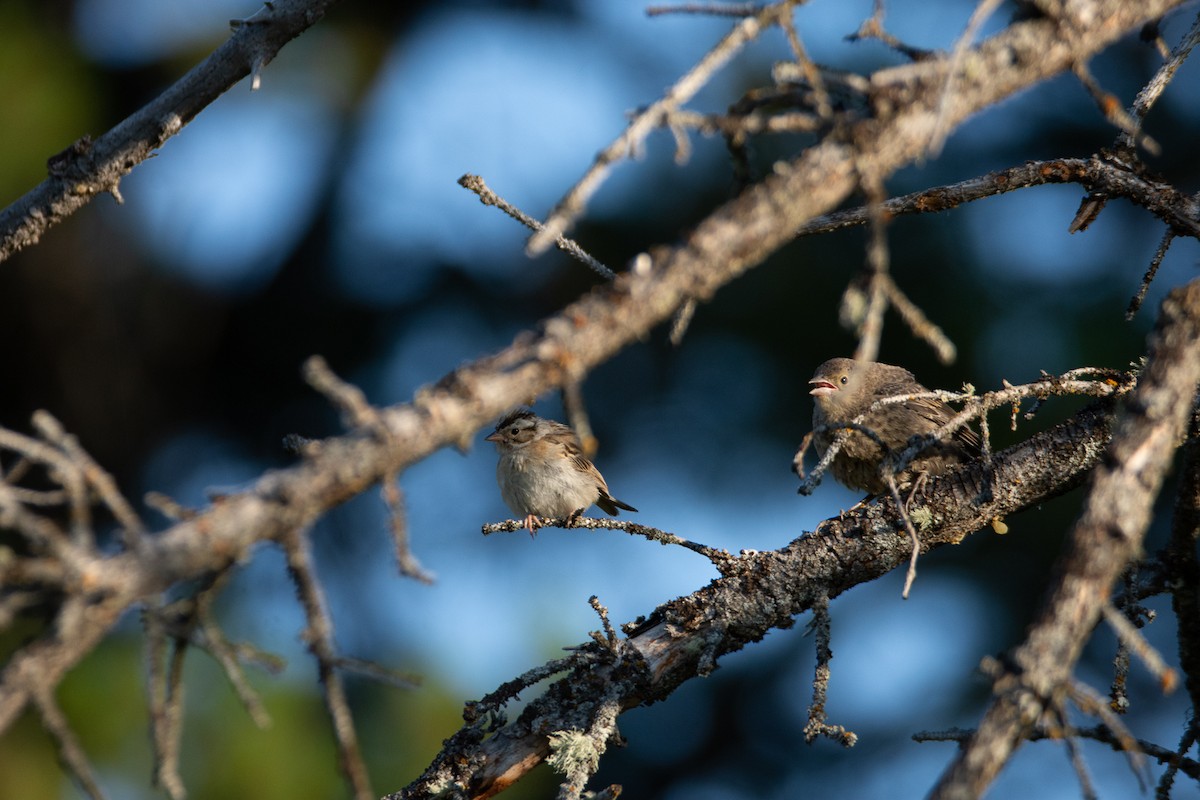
{"type": "Point", "coordinates": [514, 431]}
{"type": "Point", "coordinates": [845, 380]}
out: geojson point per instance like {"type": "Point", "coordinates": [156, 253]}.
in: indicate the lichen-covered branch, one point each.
{"type": "Point", "coordinates": [1105, 539]}
{"type": "Point", "coordinates": [683, 639]}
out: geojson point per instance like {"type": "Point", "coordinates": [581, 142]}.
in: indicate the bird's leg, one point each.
{"type": "Point", "coordinates": [574, 516]}
{"type": "Point", "coordinates": [531, 525]}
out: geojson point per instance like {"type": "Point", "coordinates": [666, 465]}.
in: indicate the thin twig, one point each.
{"type": "Point", "coordinates": [811, 72]}
{"type": "Point", "coordinates": [358, 413]}
{"type": "Point", "coordinates": [842, 430]}
{"type": "Point", "coordinates": [1098, 733]}
{"type": "Point", "coordinates": [681, 321]}
{"type": "Point", "coordinates": [609, 641]}
{"type": "Point", "coordinates": [872, 28]}
{"type": "Point", "coordinates": [346, 397]}
{"type": "Point", "coordinates": [393, 499]}
{"type": "Point", "coordinates": [73, 480]}
{"type": "Point", "coordinates": [1154, 88]}
{"type": "Point", "coordinates": [1112, 178]}
{"type": "Point", "coordinates": [818, 724]}
{"type": "Point", "coordinates": [70, 751]}
{"type": "Point", "coordinates": [920, 325]}
{"type": "Point", "coordinates": [1176, 762]}
{"type": "Point", "coordinates": [721, 558]}
{"type": "Point", "coordinates": [226, 654]}
{"type": "Point", "coordinates": [509, 690]}
{"type": "Point", "coordinates": [870, 327]}
{"type": "Point", "coordinates": [1111, 108]}
{"type": "Point", "coordinates": [572, 205]}
{"type": "Point", "coordinates": [1090, 702]}
{"type": "Point", "coordinates": [101, 481]}
{"type": "Point", "coordinates": [168, 507]}
{"type": "Point", "coordinates": [1118, 693]}
{"type": "Point", "coordinates": [378, 672]}
{"type": "Point", "coordinates": [167, 772]}
{"type": "Point", "coordinates": [320, 640]}
{"type": "Point", "coordinates": [707, 9]}
{"type": "Point", "coordinates": [1087, 788]}
{"type": "Point", "coordinates": [572, 248]}
{"type": "Point", "coordinates": [165, 690]}
{"type": "Point", "coordinates": [1132, 638]}
{"type": "Point", "coordinates": [1135, 303]}
{"type": "Point", "coordinates": [577, 418]}
{"type": "Point", "coordinates": [910, 574]}
{"type": "Point", "coordinates": [940, 126]}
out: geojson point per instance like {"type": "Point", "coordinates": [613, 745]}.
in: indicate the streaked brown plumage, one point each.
{"type": "Point", "coordinates": [844, 388]}
{"type": "Point", "coordinates": [543, 472]}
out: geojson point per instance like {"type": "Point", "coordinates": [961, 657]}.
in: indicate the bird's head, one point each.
{"type": "Point", "coordinates": [515, 430]}
{"type": "Point", "coordinates": [835, 383]}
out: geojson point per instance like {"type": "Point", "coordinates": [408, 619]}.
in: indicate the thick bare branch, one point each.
{"type": "Point", "coordinates": [92, 167]}
{"type": "Point", "coordinates": [1106, 538]}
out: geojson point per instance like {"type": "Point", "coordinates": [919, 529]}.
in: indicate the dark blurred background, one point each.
{"type": "Point", "coordinates": [321, 215]}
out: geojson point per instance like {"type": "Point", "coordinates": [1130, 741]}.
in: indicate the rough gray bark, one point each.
{"type": "Point", "coordinates": [1107, 537]}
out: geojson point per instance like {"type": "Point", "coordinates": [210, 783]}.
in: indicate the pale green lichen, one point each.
{"type": "Point", "coordinates": [922, 517]}
{"type": "Point", "coordinates": [573, 752]}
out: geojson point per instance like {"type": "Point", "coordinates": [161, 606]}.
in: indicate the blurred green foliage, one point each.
{"type": "Point", "coordinates": [49, 94]}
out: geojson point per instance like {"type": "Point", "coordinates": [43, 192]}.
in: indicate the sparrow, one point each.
{"type": "Point", "coordinates": [844, 388]}
{"type": "Point", "coordinates": [542, 471]}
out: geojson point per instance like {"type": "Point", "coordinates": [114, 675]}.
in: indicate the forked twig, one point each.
{"type": "Point", "coordinates": [320, 640]}
{"type": "Point", "coordinates": [572, 205]}
{"type": "Point", "coordinates": [818, 724]}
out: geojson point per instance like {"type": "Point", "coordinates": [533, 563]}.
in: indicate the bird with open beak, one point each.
{"type": "Point", "coordinates": [843, 388]}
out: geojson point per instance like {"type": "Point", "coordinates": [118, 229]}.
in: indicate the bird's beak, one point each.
{"type": "Point", "coordinates": [821, 388]}
{"type": "Point", "coordinates": [494, 437]}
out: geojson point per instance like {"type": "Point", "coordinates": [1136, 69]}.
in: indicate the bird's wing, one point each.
{"type": "Point", "coordinates": [574, 451]}
{"type": "Point", "coordinates": [606, 501]}
{"type": "Point", "coordinates": [939, 413]}
{"type": "Point", "coordinates": [932, 411]}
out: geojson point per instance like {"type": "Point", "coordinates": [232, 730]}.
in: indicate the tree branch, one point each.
{"type": "Point", "coordinates": [1181, 565]}
{"type": "Point", "coordinates": [1100, 175]}
{"type": "Point", "coordinates": [910, 102]}
{"type": "Point", "coordinates": [760, 591]}
{"type": "Point", "coordinates": [89, 168]}
{"type": "Point", "coordinates": [1105, 539]}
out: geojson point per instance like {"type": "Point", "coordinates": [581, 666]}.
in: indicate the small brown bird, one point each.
{"type": "Point", "coordinates": [542, 471]}
{"type": "Point", "coordinates": [844, 388]}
